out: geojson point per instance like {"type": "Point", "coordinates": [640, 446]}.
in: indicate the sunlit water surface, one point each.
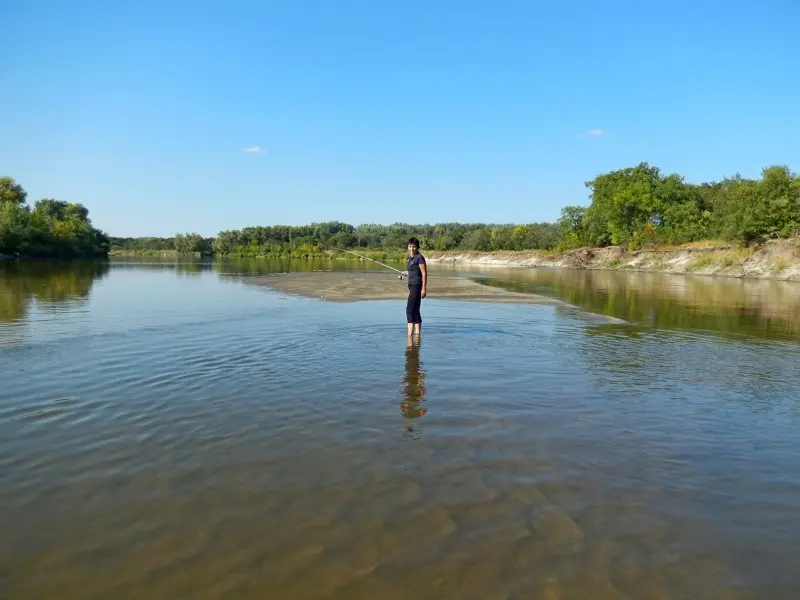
{"type": "Point", "coordinates": [171, 431]}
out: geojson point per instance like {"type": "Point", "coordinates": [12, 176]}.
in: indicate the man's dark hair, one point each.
{"type": "Point", "coordinates": [414, 241]}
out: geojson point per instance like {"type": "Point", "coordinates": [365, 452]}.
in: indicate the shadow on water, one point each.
{"type": "Point", "coordinates": [46, 282]}
{"type": "Point", "coordinates": [413, 388]}
{"type": "Point", "coordinates": [760, 308]}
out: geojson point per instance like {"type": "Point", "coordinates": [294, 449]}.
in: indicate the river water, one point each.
{"type": "Point", "coordinates": [170, 430]}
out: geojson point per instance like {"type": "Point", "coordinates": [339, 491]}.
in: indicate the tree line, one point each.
{"type": "Point", "coordinates": [52, 228]}
{"type": "Point", "coordinates": [318, 238]}
{"type": "Point", "coordinates": [634, 207]}
{"type": "Point", "coordinates": [642, 206]}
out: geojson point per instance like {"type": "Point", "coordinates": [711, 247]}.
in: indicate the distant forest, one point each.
{"type": "Point", "coordinates": [633, 207]}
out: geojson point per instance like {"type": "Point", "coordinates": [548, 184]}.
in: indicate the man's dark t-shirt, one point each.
{"type": "Point", "coordinates": [414, 273]}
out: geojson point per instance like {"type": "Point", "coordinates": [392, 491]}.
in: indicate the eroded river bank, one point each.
{"type": "Point", "coordinates": [775, 259]}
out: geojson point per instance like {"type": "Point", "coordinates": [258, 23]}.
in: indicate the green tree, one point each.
{"type": "Point", "coordinates": [343, 239]}
{"type": "Point", "coordinates": [52, 228]}
{"type": "Point", "coordinates": [11, 191]}
{"type": "Point", "coordinates": [190, 243]}
{"type": "Point", "coordinates": [571, 226]}
{"type": "Point", "coordinates": [518, 237]}
{"type": "Point", "coordinates": [15, 232]}
{"type": "Point", "coordinates": [226, 243]}
{"type": "Point", "coordinates": [477, 239]}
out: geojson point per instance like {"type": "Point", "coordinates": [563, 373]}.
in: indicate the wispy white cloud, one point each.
{"type": "Point", "coordinates": [254, 150]}
{"type": "Point", "coordinates": [591, 133]}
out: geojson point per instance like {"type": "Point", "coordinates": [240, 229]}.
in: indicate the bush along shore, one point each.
{"type": "Point", "coordinates": [51, 228]}
{"type": "Point", "coordinates": [773, 259]}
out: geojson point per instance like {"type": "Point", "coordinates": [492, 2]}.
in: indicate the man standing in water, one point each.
{"type": "Point", "coordinates": [417, 272]}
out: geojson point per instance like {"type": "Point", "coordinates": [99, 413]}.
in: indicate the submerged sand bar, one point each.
{"type": "Point", "coordinates": [351, 286]}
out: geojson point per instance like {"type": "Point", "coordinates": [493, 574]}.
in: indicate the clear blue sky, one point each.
{"type": "Point", "coordinates": [375, 112]}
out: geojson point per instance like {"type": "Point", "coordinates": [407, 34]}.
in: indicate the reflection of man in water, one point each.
{"type": "Point", "coordinates": [413, 386]}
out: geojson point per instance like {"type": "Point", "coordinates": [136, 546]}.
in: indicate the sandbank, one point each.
{"type": "Point", "coordinates": [352, 286]}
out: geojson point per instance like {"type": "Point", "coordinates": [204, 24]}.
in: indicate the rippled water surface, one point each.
{"type": "Point", "coordinates": [173, 431]}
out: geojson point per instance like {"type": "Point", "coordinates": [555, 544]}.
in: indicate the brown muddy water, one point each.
{"type": "Point", "coordinates": [185, 431]}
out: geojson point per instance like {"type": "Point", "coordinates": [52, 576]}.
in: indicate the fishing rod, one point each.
{"type": "Point", "coordinates": [368, 258]}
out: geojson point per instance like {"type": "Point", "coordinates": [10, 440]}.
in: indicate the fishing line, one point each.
{"type": "Point", "coordinates": [375, 261]}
